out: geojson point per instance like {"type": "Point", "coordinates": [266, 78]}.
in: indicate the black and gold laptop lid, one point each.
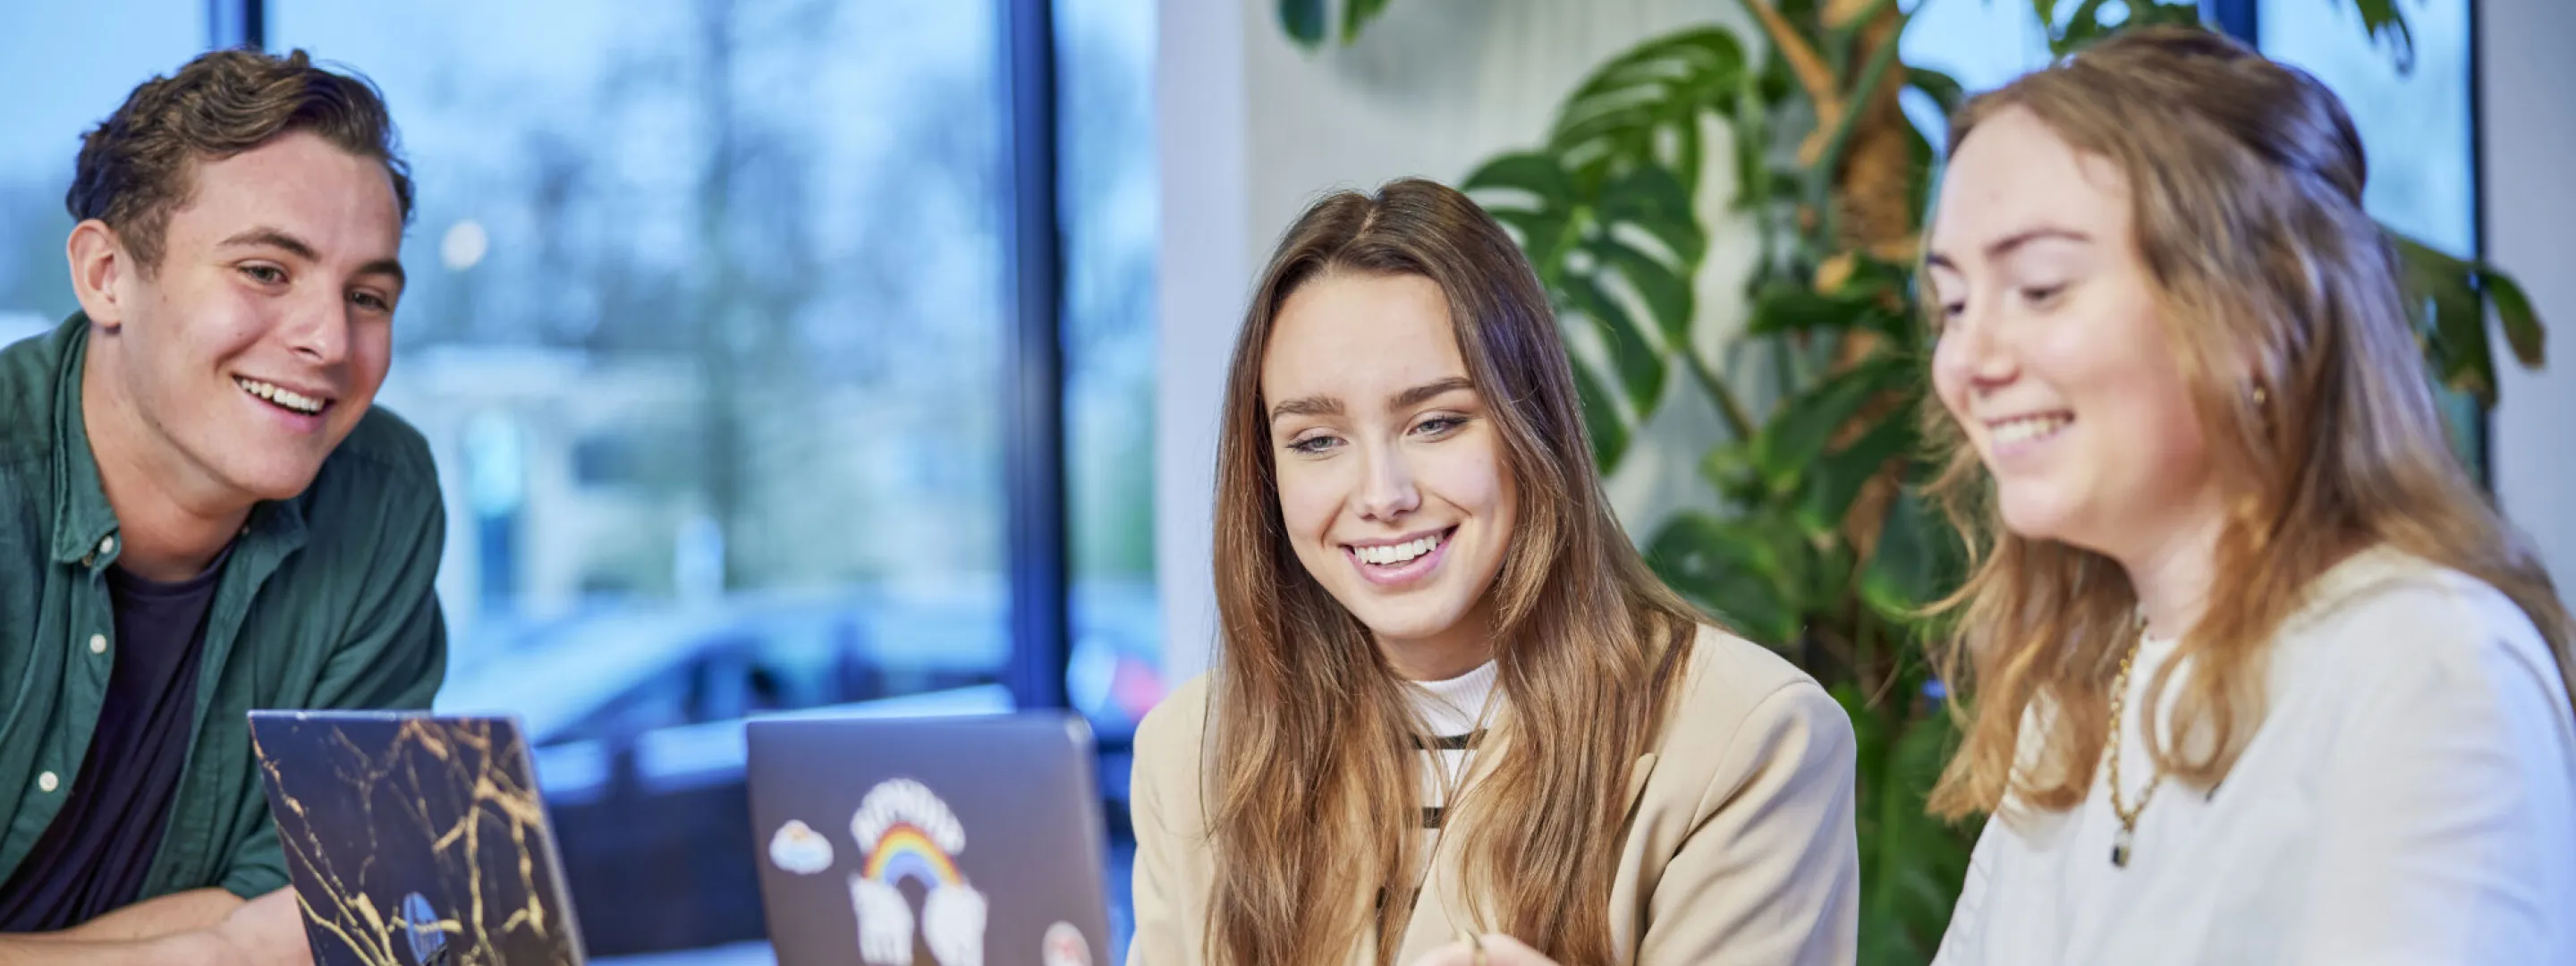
{"type": "Point", "coordinates": [416, 840]}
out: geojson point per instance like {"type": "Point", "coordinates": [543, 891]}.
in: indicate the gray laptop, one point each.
{"type": "Point", "coordinates": [415, 840]}
{"type": "Point", "coordinates": [949, 841]}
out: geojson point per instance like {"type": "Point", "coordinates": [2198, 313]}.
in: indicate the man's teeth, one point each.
{"type": "Point", "coordinates": [284, 397]}
{"type": "Point", "coordinates": [2029, 428]}
{"type": "Point", "coordinates": [1398, 553]}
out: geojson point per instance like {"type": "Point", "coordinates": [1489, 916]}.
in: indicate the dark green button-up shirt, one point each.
{"type": "Point", "coordinates": [326, 602]}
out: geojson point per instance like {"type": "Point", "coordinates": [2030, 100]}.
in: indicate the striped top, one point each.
{"type": "Point", "coordinates": [1448, 710]}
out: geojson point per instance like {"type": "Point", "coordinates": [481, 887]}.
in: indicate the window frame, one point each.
{"type": "Point", "coordinates": [2241, 19]}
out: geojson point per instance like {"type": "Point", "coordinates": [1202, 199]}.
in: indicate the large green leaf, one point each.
{"type": "Point", "coordinates": [1543, 205]}
{"type": "Point", "coordinates": [1665, 289]}
{"type": "Point", "coordinates": [1637, 231]}
{"type": "Point", "coordinates": [1601, 420]}
{"type": "Point", "coordinates": [1529, 171]}
{"type": "Point", "coordinates": [2513, 310]}
{"type": "Point", "coordinates": [1786, 306]}
{"type": "Point", "coordinates": [1734, 569]}
{"type": "Point", "coordinates": [1837, 479]}
{"type": "Point", "coordinates": [1870, 732]}
{"type": "Point", "coordinates": [2387, 24]}
{"type": "Point", "coordinates": [1356, 14]}
{"type": "Point", "coordinates": [1639, 363]}
{"type": "Point", "coordinates": [1799, 434]}
{"type": "Point", "coordinates": [1917, 562]}
{"type": "Point", "coordinates": [1544, 234]}
{"type": "Point", "coordinates": [2460, 350]}
{"type": "Point", "coordinates": [2452, 295]}
{"type": "Point", "coordinates": [1729, 470]}
{"type": "Point", "coordinates": [1752, 148]}
{"type": "Point", "coordinates": [1919, 859]}
{"type": "Point", "coordinates": [1653, 200]}
{"type": "Point", "coordinates": [1922, 166]}
{"type": "Point", "coordinates": [1648, 202]}
{"type": "Point", "coordinates": [1649, 98]}
{"type": "Point", "coordinates": [1303, 21]}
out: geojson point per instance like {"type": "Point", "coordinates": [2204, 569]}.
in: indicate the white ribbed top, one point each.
{"type": "Point", "coordinates": [1449, 710]}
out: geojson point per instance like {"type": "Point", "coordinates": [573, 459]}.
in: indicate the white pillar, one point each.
{"type": "Point", "coordinates": [1202, 276]}
{"type": "Point", "coordinates": [2527, 135]}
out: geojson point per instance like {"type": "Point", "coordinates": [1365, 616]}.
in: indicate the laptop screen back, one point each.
{"type": "Point", "coordinates": [948, 841]}
{"type": "Point", "coordinates": [415, 840]}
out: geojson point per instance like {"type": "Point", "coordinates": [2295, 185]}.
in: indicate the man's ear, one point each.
{"type": "Point", "coordinates": [100, 270]}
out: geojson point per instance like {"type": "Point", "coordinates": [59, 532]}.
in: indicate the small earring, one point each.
{"type": "Point", "coordinates": [2261, 396]}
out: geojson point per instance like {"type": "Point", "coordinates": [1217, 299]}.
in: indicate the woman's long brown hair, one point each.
{"type": "Point", "coordinates": [1313, 792]}
{"type": "Point", "coordinates": [2246, 181]}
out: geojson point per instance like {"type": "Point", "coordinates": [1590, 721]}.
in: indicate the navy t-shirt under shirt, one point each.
{"type": "Point", "coordinates": [93, 857]}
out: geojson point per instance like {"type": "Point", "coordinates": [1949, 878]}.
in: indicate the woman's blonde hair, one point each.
{"type": "Point", "coordinates": [1314, 796]}
{"type": "Point", "coordinates": [2281, 298]}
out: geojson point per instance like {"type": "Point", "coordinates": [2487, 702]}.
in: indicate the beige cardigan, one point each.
{"type": "Point", "coordinates": [1740, 850]}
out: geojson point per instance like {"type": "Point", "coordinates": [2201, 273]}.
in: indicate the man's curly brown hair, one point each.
{"type": "Point", "coordinates": [137, 166]}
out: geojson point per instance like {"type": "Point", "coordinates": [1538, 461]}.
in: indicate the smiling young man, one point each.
{"type": "Point", "coordinates": [205, 516]}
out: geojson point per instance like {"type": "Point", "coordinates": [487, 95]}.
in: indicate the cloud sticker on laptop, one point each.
{"type": "Point", "coordinates": [797, 848]}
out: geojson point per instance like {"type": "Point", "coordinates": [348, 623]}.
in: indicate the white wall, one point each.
{"type": "Point", "coordinates": [1251, 128]}
{"type": "Point", "coordinates": [2526, 142]}
{"type": "Point", "coordinates": [1202, 272]}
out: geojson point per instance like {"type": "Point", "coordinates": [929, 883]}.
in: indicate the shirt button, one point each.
{"type": "Point", "coordinates": [107, 546]}
{"type": "Point", "coordinates": [98, 643]}
{"type": "Point", "coordinates": [47, 782]}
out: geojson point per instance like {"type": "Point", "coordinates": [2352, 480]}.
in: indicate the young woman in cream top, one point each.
{"type": "Point", "coordinates": [2253, 672]}
{"type": "Point", "coordinates": [1453, 718]}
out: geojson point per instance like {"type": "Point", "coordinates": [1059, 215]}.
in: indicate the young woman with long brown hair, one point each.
{"type": "Point", "coordinates": [2254, 672]}
{"type": "Point", "coordinates": [1454, 718]}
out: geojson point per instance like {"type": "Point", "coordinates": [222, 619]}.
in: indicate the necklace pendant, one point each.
{"type": "Point", "coordinates": [2120, 849]}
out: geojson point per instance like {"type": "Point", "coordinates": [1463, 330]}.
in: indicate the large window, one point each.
{"type": "Point", "coordinates": [56, 48]}
{"type": "Point", "coordinates": [2413, 115]}
{"type": "Point", "coordinates": [721, 328]}
{"type": "Point", "coordinates": [2417, 130]}
{"type": "Point", "coordinates": [708, 331]}
{"type": "Point", "coordinates": [1110, 203]}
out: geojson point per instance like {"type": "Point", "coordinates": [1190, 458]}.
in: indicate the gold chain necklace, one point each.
{"type": "Point", "coordinates": [2128, 816]}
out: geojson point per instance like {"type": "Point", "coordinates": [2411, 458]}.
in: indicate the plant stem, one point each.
{"type": "Point", "coordinates": [1864, 634]}
{"type": "Point", "coordinates": [1803, 59]}
{"type": "Point", "coordinates": [1849, 28]}
{"type": "Point", "coordinates": [1871, 75]}
{"type": "Point", "coordinates": [1738, 420]}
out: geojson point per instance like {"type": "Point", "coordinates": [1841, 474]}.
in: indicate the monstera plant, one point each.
{"type": "Point", "coordinates": [1813, 538]}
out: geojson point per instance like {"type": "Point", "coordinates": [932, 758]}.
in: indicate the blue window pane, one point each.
{"type": "Point", "coordinates": [2415, 129]}
{"type": "Point", "coordinates": [1982, 44]}
{"type": "Point", "coordinates": [706, 327]}
{"type": "Point", "coordinates": [83, 58]}
{"type": "Point", "coordinates": [2414, 124]}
